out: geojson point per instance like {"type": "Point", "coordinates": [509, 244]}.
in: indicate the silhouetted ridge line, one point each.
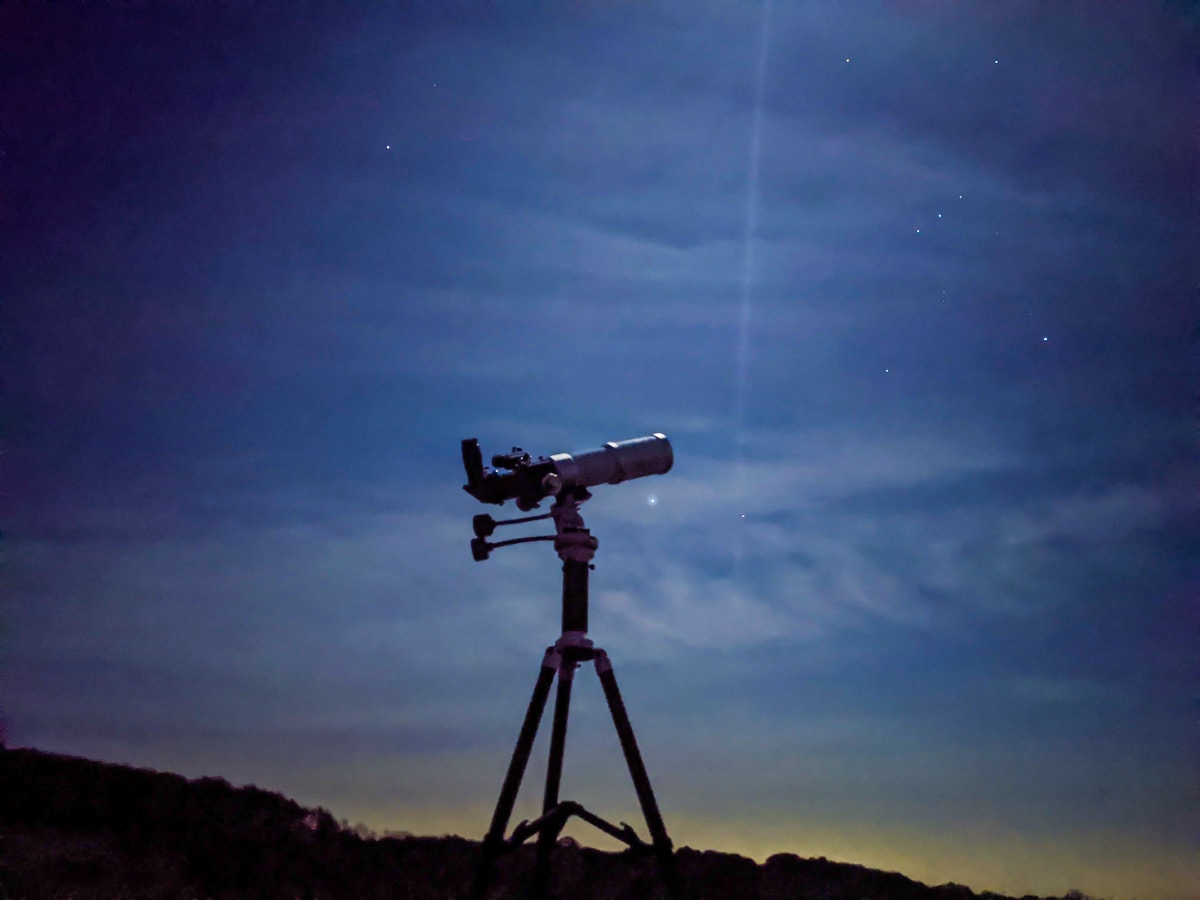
{"type": "Point", "coordinates": [88, 830]}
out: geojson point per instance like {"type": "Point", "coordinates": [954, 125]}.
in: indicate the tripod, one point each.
{"type": "Point", "coordinates": [575, 546]}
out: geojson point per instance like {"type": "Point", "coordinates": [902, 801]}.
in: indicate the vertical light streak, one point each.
{"type": "Point", "coordinates": [746, 306]}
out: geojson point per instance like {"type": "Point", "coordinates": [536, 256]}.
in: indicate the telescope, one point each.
{"type": "Point", "coordinates": [566, 477]}
{"type": "Point", "coordinates": [518, 476]}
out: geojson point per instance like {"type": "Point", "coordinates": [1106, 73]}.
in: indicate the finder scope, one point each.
{"type": "Point", "coordinates": [518, 476]}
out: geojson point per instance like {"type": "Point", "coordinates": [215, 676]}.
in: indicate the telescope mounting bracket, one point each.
{"type": "Point", "coordinates": [571, 538]}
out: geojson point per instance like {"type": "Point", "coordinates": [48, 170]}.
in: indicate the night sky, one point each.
{"type": "Point", "coordinates": [911, 287]}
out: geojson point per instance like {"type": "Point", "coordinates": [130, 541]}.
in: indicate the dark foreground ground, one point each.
{"type": "Point", "coordinates": [74, 828]}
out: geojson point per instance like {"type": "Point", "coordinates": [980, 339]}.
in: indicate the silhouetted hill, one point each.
{"type": "Point", "coordinates": [81, 829]}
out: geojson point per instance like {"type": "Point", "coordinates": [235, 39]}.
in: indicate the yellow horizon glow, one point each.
{"type": "Point", "coordinates": [1100, 863]}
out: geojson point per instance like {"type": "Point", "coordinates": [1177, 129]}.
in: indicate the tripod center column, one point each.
{"type": "Point", "coordinates": [576, 549]}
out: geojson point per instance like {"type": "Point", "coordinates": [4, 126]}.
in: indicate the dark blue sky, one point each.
{"type": "Point", "coordinates": [911, 287]}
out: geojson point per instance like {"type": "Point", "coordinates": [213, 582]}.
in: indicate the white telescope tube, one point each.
{"type": "Point", "coordinates": [615, 462]}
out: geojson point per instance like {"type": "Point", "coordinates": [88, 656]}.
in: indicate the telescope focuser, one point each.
{"type": "Point", "coordinates": [512, 476]}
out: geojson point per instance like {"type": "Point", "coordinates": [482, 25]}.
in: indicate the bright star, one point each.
{"type": "Point", "coordinates": [652, 500]}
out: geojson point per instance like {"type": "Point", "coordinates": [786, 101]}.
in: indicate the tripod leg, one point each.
{"type": "Point", "coordinates": [637, 770]}
{"type": "Point", "coordinates": [558, 738]}
{"type": "Point", "coordinates": [494, 841]}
